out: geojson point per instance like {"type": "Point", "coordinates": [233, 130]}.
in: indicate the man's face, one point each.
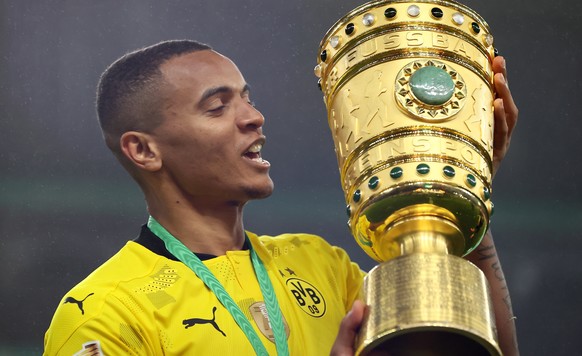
{"type": "Point", "coordinates": [211, 136]}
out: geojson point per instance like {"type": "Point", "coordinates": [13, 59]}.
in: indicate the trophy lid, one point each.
{"type": "Point", "coordinates": [382, 16]}
{"type": "Point", "coordinates": [362, 9]}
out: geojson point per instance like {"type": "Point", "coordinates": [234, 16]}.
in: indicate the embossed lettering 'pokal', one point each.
{"type": "Point", "coordinates": [408, 87]}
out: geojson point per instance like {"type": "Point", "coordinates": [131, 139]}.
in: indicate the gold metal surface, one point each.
{"type": "Point", "coordinates": [408, 86]}
{"type": "Point", "coordinates": [429, 321]}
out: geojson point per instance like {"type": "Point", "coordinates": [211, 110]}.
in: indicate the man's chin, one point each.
{"type": "Point", "coordinates": [260, 192]}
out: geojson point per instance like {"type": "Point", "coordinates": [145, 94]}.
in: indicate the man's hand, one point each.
{"type": "Point", "coordinates": [485, 256]}
{"type": "Point", "coordinates": [505, 113]}
{"type": "Point", "coordinates": [346, 337]}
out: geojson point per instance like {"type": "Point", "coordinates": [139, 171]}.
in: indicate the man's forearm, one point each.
{"type": "Point", "coordinates": [485, 257]}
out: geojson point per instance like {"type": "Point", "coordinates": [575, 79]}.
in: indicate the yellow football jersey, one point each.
{"type": "Point", "coordinates": [143, 301]}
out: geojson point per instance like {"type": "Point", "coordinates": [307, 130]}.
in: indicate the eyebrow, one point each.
{"type": "Point", "coordinates": [221, 89]}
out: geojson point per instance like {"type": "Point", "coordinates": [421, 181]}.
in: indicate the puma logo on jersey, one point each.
{"type": "Point", "coordinates": [191, 322]}
{"type": "Point", "coordinates": [78, 302]}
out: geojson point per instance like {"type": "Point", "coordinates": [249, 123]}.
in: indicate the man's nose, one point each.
{"type": "Point", "coordinates": [250, 117]}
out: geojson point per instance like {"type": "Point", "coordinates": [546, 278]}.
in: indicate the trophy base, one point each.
{"type": "Point", "coordinates": [427, 304]}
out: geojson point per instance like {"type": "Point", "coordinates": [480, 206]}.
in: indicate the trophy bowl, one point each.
{"type": "Point", "coordinates": [408, 87]}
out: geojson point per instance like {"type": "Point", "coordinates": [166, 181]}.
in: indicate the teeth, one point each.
{"type": "Point", "coordinates": [256, 148]}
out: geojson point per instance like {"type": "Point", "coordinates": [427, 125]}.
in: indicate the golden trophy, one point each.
{"type": "Point", "coordinates": [408, 87]}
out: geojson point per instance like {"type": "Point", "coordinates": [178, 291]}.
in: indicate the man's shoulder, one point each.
{"type": "Point", "coordinates": [303, 243]}
{"type": "Point", "coordinates": [301, 246]}
{"type": "Point", "coordinates": [131, 262]}
{"type": "Point", "coordinates": [105, 297]}
{"type": "Point", "coordinates": [298, 239]}
{"type": "Point", "coordinates": [110, 281]}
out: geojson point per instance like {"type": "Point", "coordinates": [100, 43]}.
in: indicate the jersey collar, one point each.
{"type": "Point", "coordinates": [153, 243]}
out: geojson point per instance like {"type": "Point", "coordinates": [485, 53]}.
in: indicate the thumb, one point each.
{"type": "Point", "coordinates": [346, 337]}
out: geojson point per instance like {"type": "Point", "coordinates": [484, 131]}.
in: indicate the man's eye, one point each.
{"type": "Point", "coordinates": [217, 110]}
{"type": "Point", "coordinates": [252, 103]}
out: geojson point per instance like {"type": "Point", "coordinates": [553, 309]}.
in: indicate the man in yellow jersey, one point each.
{"type": "Point", "coordinates": [179, 118]}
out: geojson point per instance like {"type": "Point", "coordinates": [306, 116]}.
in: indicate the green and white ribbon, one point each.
{"type": "Point", "coordinates": [177, 248]}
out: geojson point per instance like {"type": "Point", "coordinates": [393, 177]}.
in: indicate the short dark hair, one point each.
{"type": "Point", "coordinates": [128, 94]}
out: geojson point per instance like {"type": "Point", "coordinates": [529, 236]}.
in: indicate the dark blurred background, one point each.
{"type": "Point", "coordinates": [66, 205]}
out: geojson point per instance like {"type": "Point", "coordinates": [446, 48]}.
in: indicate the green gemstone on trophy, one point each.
{"type": "Point", "coordinates": [471, 180]}
{"type": "Point", "coordinates": [432, 85]}
{"type": "Point", "coordinates": [357, 196]}
{"type": "Point", "coordinates": [373, 182]}
{"type": "Point", "coordinates": [449, 171]}
{"type": "Point", "coordinates": [396, 172]}
{"type": "Point", "coordinates": [423, 168]}
{"type": "Point", "coordinates": [486, 193]}
{"type": "Point", "coordinates": [349, 211]}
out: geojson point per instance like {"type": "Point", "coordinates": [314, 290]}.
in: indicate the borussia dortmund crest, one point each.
{"type": "Point", "coordinates": [308, 298]}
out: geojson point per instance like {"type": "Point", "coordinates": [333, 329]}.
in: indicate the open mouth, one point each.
{"type": "Point", "coordinates": [254, 153]}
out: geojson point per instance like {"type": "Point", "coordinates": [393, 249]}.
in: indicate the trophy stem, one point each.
{"type": "Point", "coordinates": [427, 301]}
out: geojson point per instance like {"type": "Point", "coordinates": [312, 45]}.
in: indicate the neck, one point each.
{"type": "Point", "coordinates": [202, 226]}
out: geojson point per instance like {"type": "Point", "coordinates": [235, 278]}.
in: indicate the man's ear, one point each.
{"type": "Point", "coordinates": [141, 150]}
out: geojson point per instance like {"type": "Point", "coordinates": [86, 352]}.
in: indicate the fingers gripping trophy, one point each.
{"type": "Point", "coordinates": [408, 87]}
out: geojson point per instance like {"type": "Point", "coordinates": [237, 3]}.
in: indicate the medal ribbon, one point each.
{"type": "Point", "coordinates": [177, 248]}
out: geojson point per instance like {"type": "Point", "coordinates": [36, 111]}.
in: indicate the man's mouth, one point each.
{"type": "Point", "coordinates": [254, 153]}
